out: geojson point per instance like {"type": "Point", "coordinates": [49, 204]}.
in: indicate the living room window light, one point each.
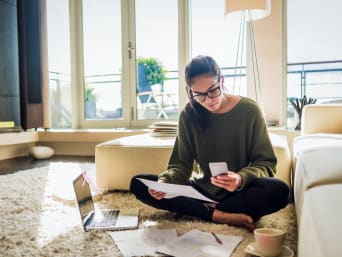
{"type": "Point", "coordinates": [103, 71]}
{"type": "Point", "coordinates": [314, 55]}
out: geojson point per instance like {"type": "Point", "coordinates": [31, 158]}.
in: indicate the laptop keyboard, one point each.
{"type": "Point", "coordinates": [106, 218]}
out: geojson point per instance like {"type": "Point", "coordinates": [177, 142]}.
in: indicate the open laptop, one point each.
{"type": "Point", "coordinates": [101, 219]}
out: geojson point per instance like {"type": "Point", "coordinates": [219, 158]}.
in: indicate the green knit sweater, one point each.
{"type": "Point", "coordinates": [238, 137]}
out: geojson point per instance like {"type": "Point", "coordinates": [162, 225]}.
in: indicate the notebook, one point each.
{"type": "Point", "coordinates": [101, 219]}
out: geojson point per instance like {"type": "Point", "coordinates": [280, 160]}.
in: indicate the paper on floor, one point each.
{"type": "Point", "coordinates": [142, 242]}
{"type": "Point", "coordinates": [200, 244]}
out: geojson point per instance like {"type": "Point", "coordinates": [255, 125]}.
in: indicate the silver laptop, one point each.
{"type": "Point", "coordinates": [101, 219]}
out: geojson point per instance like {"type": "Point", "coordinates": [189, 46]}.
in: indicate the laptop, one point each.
{"type": "Point", "coordinates": [95, 219]}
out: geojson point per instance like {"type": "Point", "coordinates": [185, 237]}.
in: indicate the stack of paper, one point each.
{"type": "Point", "coordinates": [142, 242]}
{"type": "Point", "coordinates": [154, 241]}
{"type": "Point", "coordinates": [164, 128]}
{"type": "Point", "coordinates": [199, 243]}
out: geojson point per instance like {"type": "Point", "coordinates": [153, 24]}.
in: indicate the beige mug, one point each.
{"type": "Point", "coordinates": [269, 241]}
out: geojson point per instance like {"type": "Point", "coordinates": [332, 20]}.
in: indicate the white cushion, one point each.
{"type": "Point", "coordinates": [41, 152]}
{"type": "Point", "coordinates": [322, 118]}
{"type": "Point", "coordinates": [320, 223]}
{"type": "Point", "coordinates": [314, 168]}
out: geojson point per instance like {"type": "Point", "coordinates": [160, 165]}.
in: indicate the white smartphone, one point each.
{"type": "Point", "coordinates": [218, 168]}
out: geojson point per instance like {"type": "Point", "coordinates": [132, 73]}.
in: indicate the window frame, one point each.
{"type": "Point", "coordinates": [129, 104]}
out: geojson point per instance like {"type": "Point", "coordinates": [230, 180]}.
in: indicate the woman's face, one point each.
{"type": "Point", "coordinates": [207, 91]}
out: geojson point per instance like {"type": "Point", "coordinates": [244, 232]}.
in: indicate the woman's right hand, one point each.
{"type": "Point", "coordinates": [156, 194]}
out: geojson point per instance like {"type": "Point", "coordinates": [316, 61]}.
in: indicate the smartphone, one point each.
{"type": "Point", "coordinates": [218, 168]}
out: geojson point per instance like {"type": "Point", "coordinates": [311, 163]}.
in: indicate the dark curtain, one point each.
{"type": "Point", "coordinates": [32, 64]}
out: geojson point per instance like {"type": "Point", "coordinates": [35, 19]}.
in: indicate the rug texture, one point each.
{"type": "Point", "coordinates": [35, 222]}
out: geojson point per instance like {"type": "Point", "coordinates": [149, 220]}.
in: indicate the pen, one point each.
{"type": "Point", "coordinates": [216, 238]}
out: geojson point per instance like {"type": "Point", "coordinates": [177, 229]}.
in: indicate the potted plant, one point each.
{"type": "Point", "coordinates": [155, 71]}
{"type": "Point", "coordinates": [90, 102]}
{"type": "Point", "coordinates": [298, 104]}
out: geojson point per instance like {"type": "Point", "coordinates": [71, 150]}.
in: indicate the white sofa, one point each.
{"type": "Point", "coordinates": [318, 181]}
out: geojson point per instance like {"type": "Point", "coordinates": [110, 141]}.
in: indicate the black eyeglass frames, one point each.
{"type": "Point", "coordinates": [211, 93]}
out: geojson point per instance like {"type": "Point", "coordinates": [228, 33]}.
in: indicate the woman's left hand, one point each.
{"type": "Point", "coordinates": [230, 181]}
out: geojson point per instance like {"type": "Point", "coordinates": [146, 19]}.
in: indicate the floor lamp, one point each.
{"type": "Point", "coordinates": [250, 10]}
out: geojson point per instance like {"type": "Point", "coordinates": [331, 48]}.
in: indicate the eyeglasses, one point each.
{"type": "Point", "coordinates": [211, 93]}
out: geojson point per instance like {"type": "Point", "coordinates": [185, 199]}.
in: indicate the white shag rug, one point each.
{"type": "Point", "coordinates": [35, 222]}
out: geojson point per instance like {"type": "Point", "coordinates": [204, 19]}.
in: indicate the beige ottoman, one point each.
{"type": "Point", "coordinates": [117, 161]}
{"type": "Point", "coordinates": [120, 159]}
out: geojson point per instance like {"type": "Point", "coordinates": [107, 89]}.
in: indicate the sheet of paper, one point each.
{"type": "Point", "coordinates": [200, 244]}
{"type": "Point", "coordinates": [142, 242]}
{"type": "Point", "coordinates": [173, 190]}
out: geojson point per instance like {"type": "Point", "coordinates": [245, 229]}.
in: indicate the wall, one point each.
{"type": "Point", "coordinates": [270, 43]}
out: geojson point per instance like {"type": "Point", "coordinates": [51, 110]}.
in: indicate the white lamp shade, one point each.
{"type": "Point", "coordinates": [259, 8]}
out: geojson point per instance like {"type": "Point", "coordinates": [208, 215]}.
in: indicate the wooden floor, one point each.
{"type": "Point", "coordinates": [23, 163]}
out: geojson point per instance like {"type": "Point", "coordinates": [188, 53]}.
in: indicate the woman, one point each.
{"type": "Point", "coordinates": [218, 127]}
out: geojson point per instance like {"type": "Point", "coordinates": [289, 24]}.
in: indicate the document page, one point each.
{"type": "Point", "coordinates": [200, 244]}
{"type": "Point", "coordinates": [142, 242]}
{"type": "Point", "coordinates": [173, 190]}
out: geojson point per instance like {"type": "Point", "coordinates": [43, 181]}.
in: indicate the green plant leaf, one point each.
{"type": "Point", "coordinates": [155, 71]}
{"type": "Point", "coordinates": [89, 93]}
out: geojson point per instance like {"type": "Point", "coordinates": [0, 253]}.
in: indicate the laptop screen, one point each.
{"type": "Point", "coordinates": [83, 196]}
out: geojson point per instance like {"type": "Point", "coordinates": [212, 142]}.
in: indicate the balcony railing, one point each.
{"type": "Point", "coordinates": [318, 80]}
{"type": "Point", "coordinates": [321, 80]}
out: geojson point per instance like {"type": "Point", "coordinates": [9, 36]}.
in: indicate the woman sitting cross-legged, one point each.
{"type": "Point", "coordinates": [216, 126]}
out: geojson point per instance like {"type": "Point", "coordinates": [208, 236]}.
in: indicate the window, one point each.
{"type": "Point", "coordinates": [101, 87]}
{"type": "Point", "coordinates": [314, 52]}
{"type": "Point", "coordinates": [157, 53]}
{"type": "Point", "coordinates": [102, 44]}
{"type": "Point", "coordinates": [96, 81]}
{"type": "Point", "coordinates": [59, 63]}
{"type": "Point", "coordinates": [219, 40]}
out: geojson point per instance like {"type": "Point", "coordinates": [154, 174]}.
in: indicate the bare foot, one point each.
{"type": "Point", "coordinates": [235, 219]}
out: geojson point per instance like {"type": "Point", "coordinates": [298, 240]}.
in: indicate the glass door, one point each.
{"type": "Point", "coordinates": [59, 63]}
{"type": "Point", "coordinates": [122, 66]}
{"type": "Point", "coordinates": [102, 46]}
{"type": "Point", "coordinates": [217, 35]}
{"type": "Point", "coordinates": [156, 53]}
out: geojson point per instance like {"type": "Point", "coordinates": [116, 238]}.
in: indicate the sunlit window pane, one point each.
{"type": "Point", "coordinates": [102, 59]}
{"type": "Point", "coordinates": [314, 53]}
{"type": "Point", "coordinates": [59, 63]}
{"type": "Point", "coordinates": [157, 43]}
{"type": "Point", "coordinates": [217, 35]}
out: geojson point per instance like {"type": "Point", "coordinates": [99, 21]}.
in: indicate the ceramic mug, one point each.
{"type": "Point", "coordinates": [269, 241]}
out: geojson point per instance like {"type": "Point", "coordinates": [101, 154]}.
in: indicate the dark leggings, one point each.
{"type": "Point", "coordinates": [263, 196]}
